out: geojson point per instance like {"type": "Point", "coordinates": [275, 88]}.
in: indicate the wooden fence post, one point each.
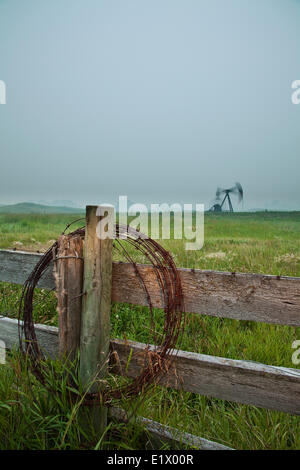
{"type": "Point", "coordinates": [68, 273]}
{"type": "Point", "coordinates": [96, 306]}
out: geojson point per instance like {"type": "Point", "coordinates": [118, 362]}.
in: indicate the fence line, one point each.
{"type": "Point", "coordinates": [157, 433]}
{"type": "Point", "coordinates": [252, 383]}
{"type": "Point", "coordinates": [254, 297]}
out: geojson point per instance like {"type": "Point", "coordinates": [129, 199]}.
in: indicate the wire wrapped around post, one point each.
{"type": "Point", "coordinates": [157, 358]}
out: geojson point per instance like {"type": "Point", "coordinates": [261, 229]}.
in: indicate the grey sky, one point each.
{"type": "Point", "coordinates": [160, 100]}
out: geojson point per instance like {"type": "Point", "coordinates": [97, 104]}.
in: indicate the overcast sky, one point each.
{"type": "Point", "coordinates": [159, 100]}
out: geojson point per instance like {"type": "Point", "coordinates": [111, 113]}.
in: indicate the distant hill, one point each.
{"type": "Point", "coordinates": [32, 208]}
{"type": "Point", "coordinates": [56, 203]}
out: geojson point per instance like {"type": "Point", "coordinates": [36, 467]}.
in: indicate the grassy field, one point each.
{"type": "Point", "coordinates": [243, 242]}
{"type": "Point", "coordinates": [267, 242]}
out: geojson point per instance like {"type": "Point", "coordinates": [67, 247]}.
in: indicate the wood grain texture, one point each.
{"type": "Point", "coordinates": [161, 434]}
{"type": "Point", "coordinates": [96, 305]}
{"type": "Point", "coordinates": [254, 297]}
{"type": "Point", "coordinates": [265, 386]}
{"type": "Point", "coordinates": [252, 383]}
{"type": "Point", "coordinates": [47, 336]}
{"type": "Point", "coordinates": [240, 296]}
{"type": "Point", "coordinates": [15, 267]}
{"type": "Point", "coordinates": [68, 273]}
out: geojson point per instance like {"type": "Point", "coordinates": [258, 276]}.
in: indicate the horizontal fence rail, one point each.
{"type": "Point", "coordinates": [255, 297]}
{"type": "Point", "coordinates": [252, 383]}
{"type": "Point", "coordinates": [162, 434]}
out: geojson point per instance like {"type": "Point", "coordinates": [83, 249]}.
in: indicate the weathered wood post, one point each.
{"type": "Point", "coordinates": [68, 272]}
{"type": "Point", "coordinates": [96, 306]}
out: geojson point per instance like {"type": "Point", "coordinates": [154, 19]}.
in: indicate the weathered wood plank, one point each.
{"type": "Point", "coordinates": [15, 267]}
{"type": "Point", "coordinates": [47, 336]}
{"type": "Point", "coordinates": [252, 383]}
{"type": "Point", "coordinates": [68, 273]}
{"type": "Point", "coordinates": [96, 308]}
{"type": "Point", "coordinates": [239, 296]}
{"type": "Point", "coordinates": [255, 297]}
{"type": "Point", "coordinates": [96, 305]}
{"type": "Point", "coordinates": [161, 434]}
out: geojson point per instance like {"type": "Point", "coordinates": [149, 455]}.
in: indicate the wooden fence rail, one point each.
{"type": "Point", "coordinates": [255, 297]}
{"type": "Point", "coordinates": [271, 387]}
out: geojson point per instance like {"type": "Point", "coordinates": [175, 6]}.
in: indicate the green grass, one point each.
{"type": "Point", "coordinates": [33, 231]}
{"type": "Point", "coordinates": [32, 418]}
{"type": "Point", "coordinates": [243, 242]}
{"type": "Point", "coordinates": [262, 242]}
{"type": "Point", "coordinates": [267, 242]}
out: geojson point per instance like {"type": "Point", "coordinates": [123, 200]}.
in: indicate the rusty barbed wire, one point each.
{"type": "Point", "coordinates": [155, 358]}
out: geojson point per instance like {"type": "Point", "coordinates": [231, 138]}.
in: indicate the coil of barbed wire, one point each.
{"type": "Point", "coordinates": [156, 357]}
